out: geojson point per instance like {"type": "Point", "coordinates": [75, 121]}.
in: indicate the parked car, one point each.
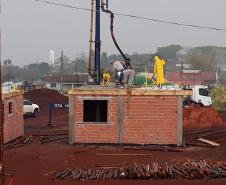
{"type": "Point", "coordinates": [30, 108]}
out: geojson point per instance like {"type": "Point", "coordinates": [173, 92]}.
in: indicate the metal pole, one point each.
{"type": "Point", "coordinates": [107, 4]}
{"type": "Point", "coordinates": [91, 36]}
{"type": "Point", "coordinates": [2, 166]}
{"type": "Point", "coordinates": [181, 73]}
{"type": "Point", "coordinates": [37, 69]}
{"type": "Point", "coordinates": [97, 44]}
{"type": "Point", "coordinates": [61, 71]}
{"type": "Point", "coordinates": [50, 107]}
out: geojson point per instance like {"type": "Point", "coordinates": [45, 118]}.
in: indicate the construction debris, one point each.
{"type": "Point", "coordinates": [126, 154]}
{"type": "Point", "coordinates": [192, 138]}
{"type": "Point", "coordinates": [50, 138]}
{"type": "Point", "coordinates": [213, 133]}
{"type": "Point", "coordinates": [199, 145]}
{"type": "Point", "coordinates": [18, 142]}
{"type": "Point", "coordinates": [189, 170]}
{"type": "Point", "coordinates": [154, 148]}
{"type": "Point", "coordinates": [208, 142]}
{"type": "Point", "coordinates": [198, 132]}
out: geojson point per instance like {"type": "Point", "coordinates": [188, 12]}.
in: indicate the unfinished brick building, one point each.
{"type": "Point", "coordinates": [126, 116]}
{"type": "Point", "coordinates": [13, 115]}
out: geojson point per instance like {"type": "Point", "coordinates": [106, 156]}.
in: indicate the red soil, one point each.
{"type": "Point", "coordinates": [35, 163]}
{"type": "Point", "coordinates": [223, 116]}
{"type": "Point", "coordinates": [201, 117]}
{"type": "Point", "coordinates": [43, 97]}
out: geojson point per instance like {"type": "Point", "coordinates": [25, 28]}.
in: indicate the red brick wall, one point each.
{"type": "Point", "coordinates": [145, 120]}
{"type": "Point", "coordinates": [95, 133]}
{"type": "Point", "coordinates": [13, 123]}
{"type": "Point", "coordinates": [148, 120]}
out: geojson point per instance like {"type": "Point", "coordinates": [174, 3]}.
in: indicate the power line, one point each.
{"type": "Point", "coordinates": [137, 17]}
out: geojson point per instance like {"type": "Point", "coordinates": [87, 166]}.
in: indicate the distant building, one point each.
{"type": "Point", "coordinates": [38, 84]}
{"type": "Point", "coordinates": [51, 57]}
{"type": "Point", "coordinates": [192, 77]}
{"type": "Point", "coordinates": [8, 87]}
{"type": "Point", "coordinates": [68, 81]}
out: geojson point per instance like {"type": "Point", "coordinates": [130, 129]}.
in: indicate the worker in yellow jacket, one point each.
{"type": "Point", "coordinates": [106, 77]}
{"type": "Point", "coordinates": [159, 70]}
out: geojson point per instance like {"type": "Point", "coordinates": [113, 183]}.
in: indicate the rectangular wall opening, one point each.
{"type": "Point", "coordinates": [95, 111]}
{"type": "Point", "coordinates": [10, 108]}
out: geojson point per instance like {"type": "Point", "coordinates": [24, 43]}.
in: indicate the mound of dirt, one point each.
{"type": "Point", "coordinates": [43, 97]}
{"type": "Point", "coordinates": [201, 117]}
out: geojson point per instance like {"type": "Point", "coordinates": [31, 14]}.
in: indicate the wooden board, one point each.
{"type": "Point", "coordinates": [128, 92]}
{"type": "Point", "coordinates": [208, 142]}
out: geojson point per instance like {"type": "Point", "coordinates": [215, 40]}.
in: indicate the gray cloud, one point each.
{"type": "Point", "coordinates": [30, 29]}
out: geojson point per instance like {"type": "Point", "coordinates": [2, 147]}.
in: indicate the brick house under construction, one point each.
{"type": "Point", "coordinates": [125, 116]}
{"type": "Point", "coordinates": [13, 115]}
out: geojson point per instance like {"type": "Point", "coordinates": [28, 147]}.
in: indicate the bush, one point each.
{"type": "Point", "coordinates": [218, 95]}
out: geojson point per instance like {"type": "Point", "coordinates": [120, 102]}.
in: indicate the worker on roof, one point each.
{"type": "Point", "coordinates": [118, 67]}
{"type": "Point", "coordinates": [159, 70]}
{"type": "Point", "coordinates": [124, 72]}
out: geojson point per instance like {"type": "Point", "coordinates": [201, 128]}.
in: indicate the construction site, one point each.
{"type": "Point", "coordinates": [112, 129]}
{"type": "Point", "coordinates": [92, 153]}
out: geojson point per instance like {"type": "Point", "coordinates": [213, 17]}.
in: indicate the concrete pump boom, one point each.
{"type": "Point", "coordinates": [112, 28]}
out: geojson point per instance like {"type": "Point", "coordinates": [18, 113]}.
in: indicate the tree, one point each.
{"type": "Point", "coordinates": [169, 52]}
{"type": "Point", "coordinates": [7, 62]}
{"type": "Point", "coordinates": [201, 61]}
{"type": "Point", "coordinates": [105, 63]}
{"type": "Point", "coordinates": [8, 74]}
{"type": "Point", "coordinates": [43, 69]}
{"type": "Point", "coordinates": [79, 64]}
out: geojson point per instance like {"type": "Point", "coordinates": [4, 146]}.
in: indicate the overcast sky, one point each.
{"type": "Point", "coordinates": [30, 29]}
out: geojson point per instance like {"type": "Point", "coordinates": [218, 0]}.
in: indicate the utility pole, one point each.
{"type": "Point", "coordinates": [181, 73]}
{"type": "Point", "coordinates": [2, 166]}
{"type": "Point", "coordinates": [61, 71]}
{"type": "Point", "coordinates": [97, 44]}
{"type": "Point", "coordinates": [37, 69]}
{"type": "Point", "coordinates": [22, 74]}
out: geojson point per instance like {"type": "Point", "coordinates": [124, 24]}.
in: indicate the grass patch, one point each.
{"type": "Point", "coordinates": [218, 95]}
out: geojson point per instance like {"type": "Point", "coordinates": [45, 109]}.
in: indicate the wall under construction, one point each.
{"type": "Point", "coordinates": [13, 115]}
{"type": "Point", "coordinates": [132, 116]}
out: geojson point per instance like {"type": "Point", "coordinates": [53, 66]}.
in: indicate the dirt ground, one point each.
{"type": "Point", "coordinates": [35, 163]}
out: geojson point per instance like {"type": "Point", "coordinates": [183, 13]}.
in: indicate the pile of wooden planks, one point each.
{"type": "Point", "coordinates": [188, 170]}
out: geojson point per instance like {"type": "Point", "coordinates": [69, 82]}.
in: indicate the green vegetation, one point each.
{"type": "Point", "coordinates": [218, 95]}
{"type": "Point", "coordinates": [169, 51]}
{"type": "Point", "coordinates": [204, 58]}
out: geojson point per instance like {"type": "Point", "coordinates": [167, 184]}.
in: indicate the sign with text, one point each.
{"type": "Point", "coordinates": [61, 106]}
